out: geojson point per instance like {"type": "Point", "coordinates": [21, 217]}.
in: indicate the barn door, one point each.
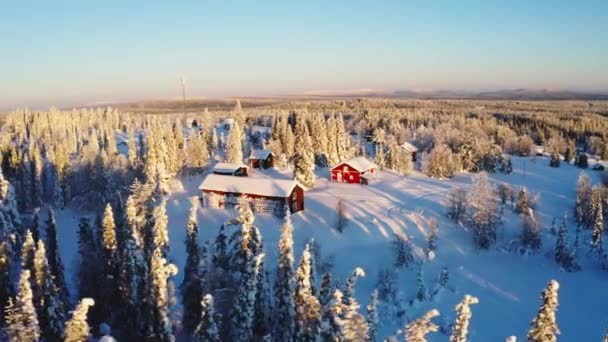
{"type": "Point", "coordinates": [339, 176]}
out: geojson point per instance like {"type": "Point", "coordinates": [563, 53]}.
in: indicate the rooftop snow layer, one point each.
{"type": "Point", "coordinates": [227, 167]}
{"type": "Point", "coordinates": [246, 185]}
{"type": "Point", "coordinates": [260, 154]}
{"type": "Point", "coordinates": [409, 147]}
{"type": "Point", "coordinates": [360, 164]}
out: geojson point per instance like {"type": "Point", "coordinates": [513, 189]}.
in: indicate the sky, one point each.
{"type": "Point", "coordinates": [82, 52]}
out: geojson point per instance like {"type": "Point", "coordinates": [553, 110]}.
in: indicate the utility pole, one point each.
{"type": "Point", "coordinates": [183, 82]}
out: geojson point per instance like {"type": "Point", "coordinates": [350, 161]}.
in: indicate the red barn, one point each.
{"type": "Point", "coordinates": [358, 170]}
{"type": "Point", "coordinates": [267, 195]}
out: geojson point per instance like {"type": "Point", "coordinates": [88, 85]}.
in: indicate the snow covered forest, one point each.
{"type": "Point", "coordinates": [493, 230]}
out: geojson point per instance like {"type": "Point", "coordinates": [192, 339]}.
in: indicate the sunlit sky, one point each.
{"type": "Point", "coordinates": [81, 52]}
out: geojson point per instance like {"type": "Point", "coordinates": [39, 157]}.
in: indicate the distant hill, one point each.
{"type": "Point", "coordinates": [507, 94]}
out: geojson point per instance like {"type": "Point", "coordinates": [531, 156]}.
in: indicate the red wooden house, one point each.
{"type": "Point", "coordinates": [261, 159]}
{"type": "Point", "coordinates": [266, 194]}
{"type": "Point", "coordinates": [359, 170]}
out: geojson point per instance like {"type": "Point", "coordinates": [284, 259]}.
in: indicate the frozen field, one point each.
{"type": "Point", "coordinates": [507, 284]}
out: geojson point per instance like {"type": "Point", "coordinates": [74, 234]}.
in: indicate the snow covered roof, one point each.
{"type": "Point", "coordinates": [409, 147]}
{"type": "Point", "coordinates": [253, 186]}
{"type": "Point", "coordinates": [227, 167]}
{"type": "Point", "coordinates": [260, 154]}
{"type": "Point", "coordinates": [360, 164]}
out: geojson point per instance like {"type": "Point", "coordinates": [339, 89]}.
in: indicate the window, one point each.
{"type": "Point", "coordinates": [345, 168]}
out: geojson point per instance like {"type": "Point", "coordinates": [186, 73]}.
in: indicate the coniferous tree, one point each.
{"type": "Point", "coordinates": [9, 214]}
{"type": "Point", "coordinates": [54, 258]}
{"type": "Point", "coordinates": [333, 327]}
{"type": "Point", "coordinates": [220, 257]}
{"type": "Point", "coordinates": [262, 309]}
{"type": "Point", "coordinates": [160, 326]}
{"type": "Point", "coordinates": [131, 271]}
{"type": "Point", "coordinates": [598, 223]}
{"type": "Point", "coordinates": [422, 294]}
{"type": "Point", "coordinates": [325, 290]}
{"type": "Point", "coordinates": [207, 330]}
{"type": "Point", "coordinates": [404, 254]}
{"type": "Point", "coordinates": [544, 326]}
{"type": "Point", "coordinates": [6, 285]}
{"type": "Point", "coordinates": [307, 307]}
{"type": "Point", "coordinates": [21, 320]}
{"type": "Point", "coordinates": [35, 227]}
{"type": "Point", "coordinates": [583, 201]}
{"type": "Point", "coordinates": [304, 157]}
{"type": "Point", "coordinates": [88, 268]}
{"type": "Point", "coordinates": [244, 305]}
{"type": "Point", "coordinates": [460, 330]}
{"type": "Point", "coordinates": [563, 256]}
{"type": "Point", "coordinates": [49, 308]}
{"type": "Point", "coordinates": [160, 229]}
{"type": "Point", "coordinates": [531, 234]}
{"type": "Point", "coordinates": [234, 146]}
{"type": "Point", "coordinates": [284, 326]}
{"type": "Point", "coordinates": [28, 252]}
{"type": "Point", "coordinates": [372, 316]}
{"type": "Point", "coordinates": [109, 246]}
{"type": "Point", "coordinates": [192, 287]}
{"type": "Point", "coordinates": [77, 328]}
{"type": "Point", "coordinates": [349, 289]}
{"type": "Point", "coordinates": [416, 330]}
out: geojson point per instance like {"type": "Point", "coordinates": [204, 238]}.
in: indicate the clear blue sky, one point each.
{"type": "Point", "coordinates": [74, 52]}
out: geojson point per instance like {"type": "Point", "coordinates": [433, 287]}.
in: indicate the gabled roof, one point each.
{"type": "Point", "coordinates": [360, 164]}
{"type": "Point", "coordinates": [409, 147]}
{"type": "Point", "coordinates": [245, 185]}
{"type": "Point", "coordinates": [260, 154]}
{"type": "Point", "coordinates": [227, 167]}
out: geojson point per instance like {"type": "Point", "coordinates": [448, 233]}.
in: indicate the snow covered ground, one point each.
{"type": "Point", "coordinates": [507, 284]}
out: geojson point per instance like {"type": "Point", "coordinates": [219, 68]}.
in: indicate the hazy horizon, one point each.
{"type": "Point", "coordinates": [71, 53]}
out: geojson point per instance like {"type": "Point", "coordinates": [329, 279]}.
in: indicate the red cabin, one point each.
{"type": "Point", "coordinates": [359, 170]}
{"type": "Point", "coordinates": [267, 195]}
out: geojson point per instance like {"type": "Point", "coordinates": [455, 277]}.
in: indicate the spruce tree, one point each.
{"type": "Point", "coordinates": [325, 290]}
{"type": "Point", "coordinates": [192, 287]}
{"type": "Point", "coordinates": [307, 307]}
{"type": "Point", "coordinates": [416, 330]}
{"type": "Point", "coordinates": [207, 330]}
{"type": "Point", "coordinates": [109, 246]}
{"type": "Point", "coordinates": [244, 304]}
{"type": "Point", "coordinates": [22, 321]}
{"type": "Point", "coordinates": [422, 294]}
{"type": "Point", "coordinates": [54, 258]}
{"type": "Point", "coordinates": [349, 289]}
{"type": "Point", "coordinates": [160, 229]}
{"type": "Point", "coordinates": [598, 223]}
{"type": "Point", "coordinates": [304, 157]}
{"type": "Point", "coordinates": [77, 328]}
{"type": "Point", "coordinates": [159, 326]}
{"type": "Point", "coordinates": [28, 252]}
{"type": "Point", "coordinates": [460, 330]}
{"type": "Point", "coordinates": [234, 146]}
{"type": "Point", "coordinates": [284, 326]}
{"type": "Point", "coordinates": [544, 326]}
{"type": "Point", "coordinates": [333, 325]}
{"type": "Point", "coordinates": [6, 285]}
{"type": "Point", "coordinates": [49, 308]}
{"type": "Point", "coordinates": [372, 316]}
